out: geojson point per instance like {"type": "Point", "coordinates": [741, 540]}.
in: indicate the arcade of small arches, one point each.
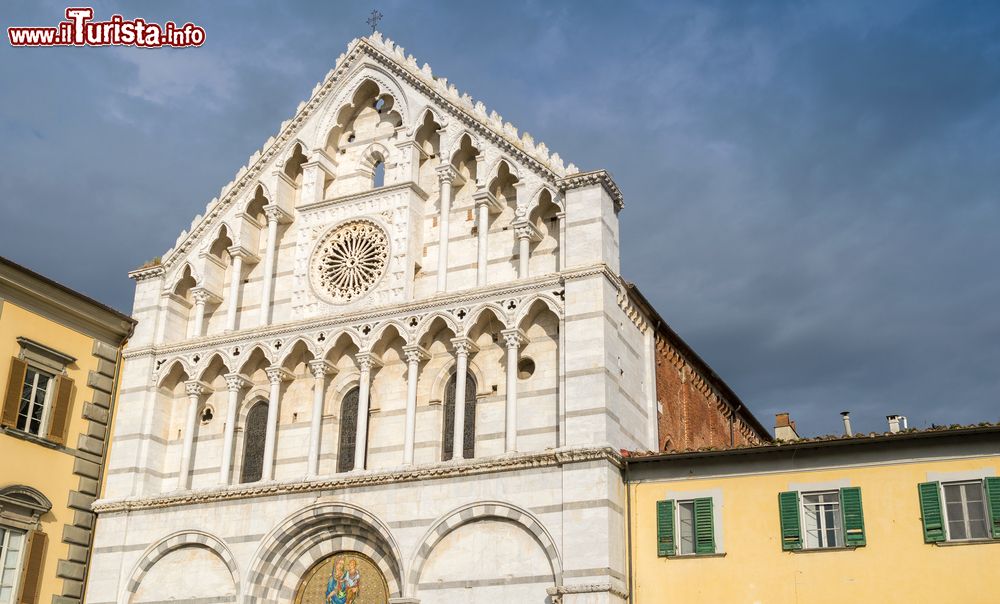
{"type": "Point", "coordinates": [327, 529]}
{"type": "Point", "coordinates": [367, 145]}
{"type": "Point", "coordinates": [377, 386]}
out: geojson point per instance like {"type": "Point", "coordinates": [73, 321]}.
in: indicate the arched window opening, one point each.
{"type": "Point", "coordinates": [348, 431]}
{"type": "Point", "coordinates": [448, 433]}
{"type": "Point", "coordinates": [253, 443]}
{"type": "Point", "coordinates": [378, 178]}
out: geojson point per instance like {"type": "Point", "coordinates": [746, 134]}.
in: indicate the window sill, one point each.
{"type": "Point", "coordinates": [38, 440]}
{"type": "Point", "coordinates": [815, 550]}
{"type": "Point", "coordinates": [696, 556]}
{"type": "Point", "coordinates": [966, 542]}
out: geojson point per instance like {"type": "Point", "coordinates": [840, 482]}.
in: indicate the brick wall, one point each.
{"type": "Point", "coordinates": [692, 412]}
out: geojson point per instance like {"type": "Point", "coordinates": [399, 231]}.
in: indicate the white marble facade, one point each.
{"type": "Point", "coordinates": [393, 234]}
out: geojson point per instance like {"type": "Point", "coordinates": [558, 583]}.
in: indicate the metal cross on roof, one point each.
{"type": "Point", "coordinates": [374, 19]}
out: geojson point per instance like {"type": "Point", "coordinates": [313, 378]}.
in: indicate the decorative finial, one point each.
{"type": "Point", "coordinates": [373, 20]}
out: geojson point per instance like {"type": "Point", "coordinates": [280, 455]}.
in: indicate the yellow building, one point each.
{"type": "Point", "coordinates": [912, 516]}
{"type": "Point", "coordinates": [59, 354]}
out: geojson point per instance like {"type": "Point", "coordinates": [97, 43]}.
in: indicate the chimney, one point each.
{"type": "Point", "coordinates": [896, 423]}
{"type": "Point", "coordinates": [784, 427]}
{"type": "Point", "coordinates": [847, 422]}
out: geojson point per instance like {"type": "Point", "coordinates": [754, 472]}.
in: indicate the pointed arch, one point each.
{"type": "Point", "coordinates": [528, 307]}
{"type": "Point", "coordinates": [293, 346]}
{"type": "Point", "coordinates": [171, 368]}
{"type": "Point", "coordinates": [494, 169]}
{"type": "Point", "coordinates": [425, 323]}
{"type": "Point", "coordinates": [364, 79]}
{"type": "Point", "coordinates": [248, 356]}
{"type": "Point", "coordinates": [202, 368]}
{"type": "Point", "coordinates": [476, 312]}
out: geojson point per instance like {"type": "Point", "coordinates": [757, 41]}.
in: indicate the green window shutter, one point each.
{"type": "Point", "coordinates": [930, 511]}
{"type": "Point", "coordinates": [854, 516]}
{"type": "Point", "coordinates": [665, 528]}
{"type": "Point", "coordinates": [791, 531]}
{"type": "Point", "coordinates": [704, 526]}
{"type": "Point", "coordinates": [993, 505]}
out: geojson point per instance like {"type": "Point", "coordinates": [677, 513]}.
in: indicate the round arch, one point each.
{"type": "Point", "coordinates": [188, 538]}
{"type": "Point", "coordinates": [500, 510]}
{"type": "Point", "coordinates": [312, 534]}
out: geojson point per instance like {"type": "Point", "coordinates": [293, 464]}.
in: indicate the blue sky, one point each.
{"type": "Point", "coordinates": [812, 188]}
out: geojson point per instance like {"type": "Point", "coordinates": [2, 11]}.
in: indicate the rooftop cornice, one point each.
{"type": "Point", "coordinates": [148, 272]}
{"type": "Point", "coordinates": [595, 177]}
{"type": "Point", "coordinates": [448, 469]}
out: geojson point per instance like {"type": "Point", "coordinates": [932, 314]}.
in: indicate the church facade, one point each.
{"type": "Point", "coordinates": [394, 360]}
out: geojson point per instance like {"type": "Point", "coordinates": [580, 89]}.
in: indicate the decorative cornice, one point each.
{"type": "Point", "coordinates": [143, 274]}
{"type": "Point", "coordinates": [538, 284]}
{"type": "Point", "coordinates": [596, 177]}
{"type": "Point", "coordinates": [449, 469]}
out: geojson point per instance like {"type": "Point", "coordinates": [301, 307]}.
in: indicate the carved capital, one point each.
{"type": "Point", "coordinates": [238, 251]}
{"type": "Point", "coordinates": [274, 213]}
{"type": "Point", "coordinates": [196, 388]}
{"type": "Point", "coordinates": [463, 346]}
{"type": "Point", "coordinates": [525, 230]}
{"type": "Point", "coordinates": [367, 361]}
{"type": "Point", "coordinates": [236, 382]}
{"type": "Point", "coordinates": [201, 296]}
{"type": "Point", "coordinates": [276, 375]}
{"type": "Point", "coordinates": [321, 367]}
{"type": "Point", "coordinates": [415, 353]}
{"type": "Point", "coordinates": [512, 338]}
{"type": "Point", "coordinates": [483, 197]}
{"type": "Point", "coordinates": [447, 173]}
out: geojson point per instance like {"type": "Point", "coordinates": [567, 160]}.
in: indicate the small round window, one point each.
{"type": "Point", "coordinates": [207, 414]}
{"type": "Point", "coordinates": [525, 368]}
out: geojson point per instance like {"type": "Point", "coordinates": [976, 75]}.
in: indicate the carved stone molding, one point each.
{"type": "Point", "coordinates": [450, 469]}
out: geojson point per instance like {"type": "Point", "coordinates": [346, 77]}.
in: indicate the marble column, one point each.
{"type": "Point", "coordinates": [485, 205]}
{"type": "Point", "coordinates": [201, 297]}
{"type": "Point", "coordinates": [366, 361]}
{"type": "Point", "coordinates": [274, 215]}
{"type": "Point", "coordinates": [446, 174]}
{"type": "Point", "coordinates": [235, 383]}
{"type": "Point", "coordinates": [525, 232]}
{"type": "Point", "coordinates": [463, 346]}
{"type": "Point", "coordinates": [512, 340]}
{"type": "Point", "coordinates": [319, 368]}
{"type": "Point", "coordinates": [235, 286]}
{"type": "Point", "coordinates": [275, 375]}
{"type": "Point", "coordinates": [414, 354]}
{"type": "Point", "coordinates": [194, 389]}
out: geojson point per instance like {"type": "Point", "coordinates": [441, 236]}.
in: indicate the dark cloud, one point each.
{"type": "Point", "coordinates": [812, 188]}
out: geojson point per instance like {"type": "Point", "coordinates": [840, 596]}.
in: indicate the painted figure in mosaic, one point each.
{"type": "Point", "coordinates": [352, 581]}
{"type": "Point", "coordinates": [336, 588]}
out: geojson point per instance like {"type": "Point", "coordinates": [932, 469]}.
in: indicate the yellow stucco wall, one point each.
{"type": "Point", "coordinates": [28, 463]}
{"type": "Point", "coordinates": [895, 565]}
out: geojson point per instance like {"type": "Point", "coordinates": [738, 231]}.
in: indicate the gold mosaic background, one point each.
{"type": "Point", "coordinates": [373, 586]}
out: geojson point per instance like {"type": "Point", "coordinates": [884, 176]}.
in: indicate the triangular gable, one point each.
{"type": "Point", "coordinates": [385, 52]}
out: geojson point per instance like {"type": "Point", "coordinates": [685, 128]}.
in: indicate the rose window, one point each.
{"type": "Point", "coordinates": [350, 260]}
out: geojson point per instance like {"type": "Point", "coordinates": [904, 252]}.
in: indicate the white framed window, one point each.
{"type": "Point", "coordinates": [822, 519]}
{"type": "Point", "coordinates": [965, 510]}
{"type": "Point", "coordinates": [11, 556]}
{"type": "Point", "coordinates": [685, 527]}
{"type": "Point", "coordinates": [36, 395]}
